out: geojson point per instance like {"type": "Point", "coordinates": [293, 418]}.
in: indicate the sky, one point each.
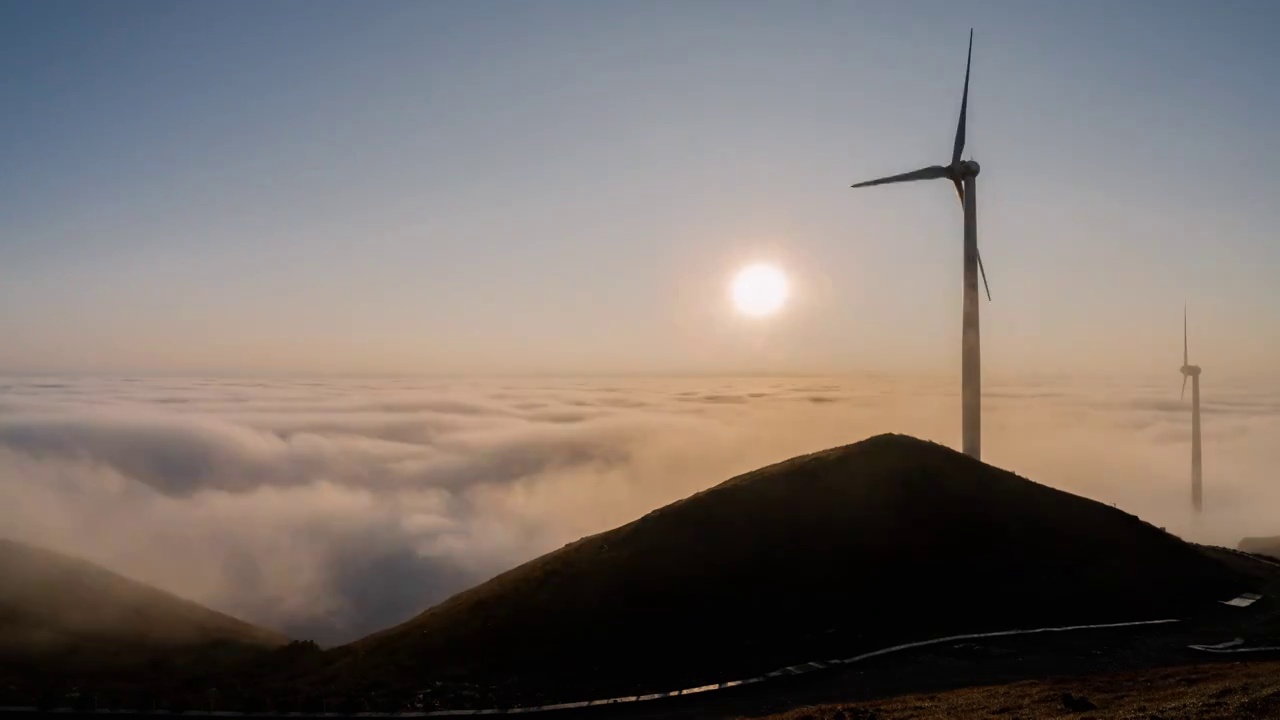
{"type": "Point", "coordinates": [484, 187]}
{"type": "Point", "coordinates": [332, 508]}
{"type": "Point", "coordinates": [255, 258]}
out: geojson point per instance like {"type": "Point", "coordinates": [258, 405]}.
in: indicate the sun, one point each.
{"type": "Point", "coordinates": [759, 290]}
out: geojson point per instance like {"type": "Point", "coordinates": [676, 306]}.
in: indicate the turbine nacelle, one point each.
{"type": "Point", "coordinates": [965, 169]}
{"type": "Point", "coordinates": [1190, 370]}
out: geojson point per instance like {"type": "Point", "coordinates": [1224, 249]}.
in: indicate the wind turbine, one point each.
{"type": "Point", "coordinates": [964, 174]}
{"type": "Point", "coordinates": [1193, 372]}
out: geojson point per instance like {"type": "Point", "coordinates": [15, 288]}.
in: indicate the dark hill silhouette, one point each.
{"type": "Point", "coordinates": [1269, 546]}
{"type": "Point", "coordinates": [62, 616]}
{"type": "Point", "coordinates": [881, 542]}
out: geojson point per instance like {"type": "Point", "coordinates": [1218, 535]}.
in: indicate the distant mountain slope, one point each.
{"type": "Point", "coordinates": [1262, 546]}
{"type": "Point", "coordinates": [880, 542]}
{"type": "Point", "coordinates": [65, 614]}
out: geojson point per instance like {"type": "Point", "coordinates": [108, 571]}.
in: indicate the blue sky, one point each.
{"type": "Point", "coordinates": [482, 186]}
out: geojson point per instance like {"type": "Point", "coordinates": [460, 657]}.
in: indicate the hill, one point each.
{"type": "Point", "coordinates": [880, 542]}
{"type": "Point", "coordinates": [62, 616]}
{"type": "Point", "coordinates": [1269, 546]}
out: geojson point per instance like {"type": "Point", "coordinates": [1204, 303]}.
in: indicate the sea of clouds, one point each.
{"type": "Point", "coordinates": [329, 509]}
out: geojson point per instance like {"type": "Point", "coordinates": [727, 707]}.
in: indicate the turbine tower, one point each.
{"type": "Point", "coordinates": [1193, 372]}
{"type": "Point", "coordinates": [964, 175]}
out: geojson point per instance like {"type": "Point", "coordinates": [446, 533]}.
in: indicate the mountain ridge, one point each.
{"type": "Point", "coordinates": [61, 613]}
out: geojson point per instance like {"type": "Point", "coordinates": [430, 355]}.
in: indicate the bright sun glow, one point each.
{"type": "Point", "coordinates": [759, 290]}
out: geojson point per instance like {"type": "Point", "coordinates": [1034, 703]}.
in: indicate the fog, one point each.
{"type": "Point", "coordinates": [329, 509]}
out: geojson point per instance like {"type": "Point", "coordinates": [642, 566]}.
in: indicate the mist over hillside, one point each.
{"type": "Point", "coordinates": [328, 509]}
{"type": "Point", "coordinates": [60, 614]}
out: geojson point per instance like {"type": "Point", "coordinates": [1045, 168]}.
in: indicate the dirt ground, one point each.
{"type": "Point", "coordinates": [1226, 691]}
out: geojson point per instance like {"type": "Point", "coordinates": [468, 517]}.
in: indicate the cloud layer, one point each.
{"type": "Point", "coordinates": [330, 509]}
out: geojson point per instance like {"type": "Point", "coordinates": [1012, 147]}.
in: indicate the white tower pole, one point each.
{"type": "Point", "coordinates": [971, 355]}
{"type": "Point", "coordinates": [1197, 499]}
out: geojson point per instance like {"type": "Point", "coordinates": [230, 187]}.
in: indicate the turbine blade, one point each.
{"type": "Point", "coordinates": [1184, 337]}
{"type": "Point", "coordinates": [983, 271]}
{"type": "Point", "coordinates": [1183, 395]}
{"type": "Point", "coordinates": [959, 190]}
{"type": "Point", "coordinates": [933, 172]}
{"type": "Point", "coordinates": [964, 105]}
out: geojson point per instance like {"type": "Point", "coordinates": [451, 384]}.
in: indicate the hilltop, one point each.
{"type": "Point", "coordinates": [880, 542]}
{"type": "Point", "coordinates": [62, 616]}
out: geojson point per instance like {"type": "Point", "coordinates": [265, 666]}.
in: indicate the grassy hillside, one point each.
{"type": "Point", "coordinates": [879, 542]}
{"type": "Point", "coordinates": [63, 616]}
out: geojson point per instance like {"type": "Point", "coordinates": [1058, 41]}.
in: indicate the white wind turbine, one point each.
{"type": "Point", "coordinates": [964, 174]}
{"type": "Point", "coordinates": [1193, 372]}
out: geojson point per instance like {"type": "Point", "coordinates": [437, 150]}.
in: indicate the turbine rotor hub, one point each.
{"type": "Point", "coordinates": [967, 169]}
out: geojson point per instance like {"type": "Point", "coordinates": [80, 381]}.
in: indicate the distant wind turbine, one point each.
{"type": "Point", "coordinates": [964, 174]}
{"type": "Point", "coordinates": [1193, 372]}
